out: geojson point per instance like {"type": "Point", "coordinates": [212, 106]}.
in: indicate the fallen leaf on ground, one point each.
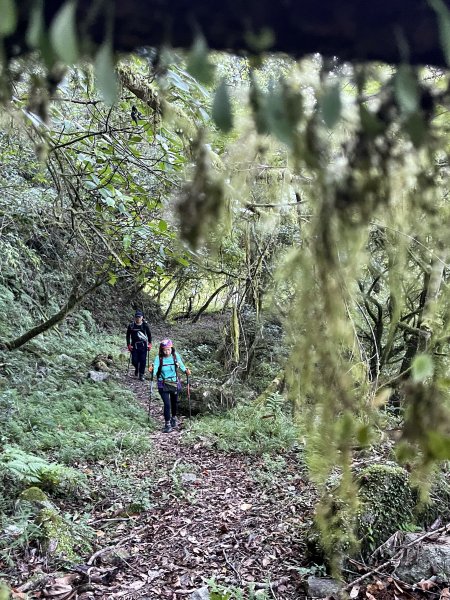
{"type": "Point", "coordinates": [136, 585]}
{"type": "Point", "coordinates": [426, 584]}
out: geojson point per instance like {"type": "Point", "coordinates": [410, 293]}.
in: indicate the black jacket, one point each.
{"type": "Point", "coordinates": [134, 330]}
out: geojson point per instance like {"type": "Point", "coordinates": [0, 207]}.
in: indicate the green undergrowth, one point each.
{"type": "Point", "coordinates": [249, 428]}
{"type": "Point", "coordinates": [121, 490]}
{"type": "Point", "coordinates": [49, 405]}
{"type": "Point", "coordinates": [389, 502]}
{"type": "Point", "coordinates": [65, 434]}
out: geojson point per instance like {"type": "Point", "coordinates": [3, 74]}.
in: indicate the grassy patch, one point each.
{"type": "Point", "coordinates": [50, 407]}
{"type": "Point", "coordinates": [249, 428]}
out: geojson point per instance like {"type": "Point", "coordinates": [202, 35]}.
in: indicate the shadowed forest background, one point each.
{"type": "Point", "coordinates": [284, 217]}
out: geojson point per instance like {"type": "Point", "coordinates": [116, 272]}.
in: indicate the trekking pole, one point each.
{"type": "Point", "coordinates": [150, 396]}
{"type": "Point", "coordinates": [129, 360]}
{"type": "Point", "coordinates": [188, 388]}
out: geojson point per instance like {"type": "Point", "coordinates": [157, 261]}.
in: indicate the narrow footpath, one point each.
{"type": "Point", "coordinates": [215, 516]}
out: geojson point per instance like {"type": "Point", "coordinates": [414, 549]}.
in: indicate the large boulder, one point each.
{"type": "Point", "coordinates": [422, 557]}
{"type": "Point", "coordinates": [203, 399]}
{"type": "Point", "coordinates": [200, 594]}
{"type": "Point", "coordinates": [97, 376]}
{"type": "Point", "coordinates": [426, 559]}
{"type": "Point", "coordinates": [387, 503]}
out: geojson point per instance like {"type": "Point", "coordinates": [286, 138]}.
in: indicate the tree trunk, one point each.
{"type": "Point", "coordinates": [276, 385]}
{"type": "Point", "coordinates": [178, 288]}
{"type": "Point", "coordinates": [208, 302]}
{"type": "Point", "coordinates": [73, 301]}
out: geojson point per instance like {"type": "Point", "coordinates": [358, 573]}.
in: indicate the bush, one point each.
{"type": "Point", "coordinates": [250, 428]}
{"type": "Point", "coordinates": [27, 470]}
{"type": "Point", "coordinates": [50, 407]}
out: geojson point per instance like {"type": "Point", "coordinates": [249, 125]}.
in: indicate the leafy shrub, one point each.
{"type": "Point", "coordinates": [27, 469]}
{"type": "Point", "coordinates": [52, 408]}
{"type": "Point", "coordinates": [250, 428]}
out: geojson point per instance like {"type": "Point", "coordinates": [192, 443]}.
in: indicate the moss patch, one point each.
{"type": "Point", "coordinates": [387, 504]}
{"type": "Point", "coordinates": [34, 495]}
{"type": "Point", "coordinates": [57, 537]}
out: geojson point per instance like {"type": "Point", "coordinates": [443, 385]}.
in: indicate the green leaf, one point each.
{"type": "Point", "coordinates": [182, 261]}
{"type": "Point", "coordinates": [331, 105]}
{"type": "Point", "coordinates": [422, 367]}
{"type": "Point", "coordinates": [35, 29]}
{"type": "Point", "coordinates": [370, 123]}
{"type": "Point", "coordinates": [126, 241]}
{"type": "Point", "coordinates": [276, 118]}
{"type": "Point", "coordinates": [293, 104]}
{"type": "Point", "coordinates": [283, 109]}
{"type": "Point", "coordinates": [8, 20]}
{"type": "Point", "coordinates": [406, 89]}
{"type": "Point", "coordinates": [443, 16]}
{"type": "Point", "coordinates": [416, 128]}
{"type": "Point", "coordinates": [105, 73]}
{"type": "Point", "coordinates": [177, 81]}
{"type": "Point", "coordinates": [258, 102]}
{"type": "Point", "coordinates": [363, 435]}
{"type": "Point", "coordinates": [112, 278]}
{"type": "Point", "coordinates": [162, 225]}
{"type": "Point", "coordinates": [63, 33]}
{"type": "Point", "coordinates": [198, 64]}
{"type": "Point", "coordinates": [221, 111]}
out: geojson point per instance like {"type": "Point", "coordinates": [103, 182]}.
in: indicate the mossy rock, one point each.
{"type": "Point", "coordinates": [55, 534]}
{"type": "Point", "coordinates": [387, 504]}
{"type": "Point", "coordinates": [57, 537]}
{"type": "Point", "coordinates": [204, 400]}
{"type": "Point", "coordinates": [438, 505]}
{"type": "Point", "coordinates": [35, 497]}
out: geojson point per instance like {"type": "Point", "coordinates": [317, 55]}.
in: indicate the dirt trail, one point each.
{"type": "Point", "coordinates": [214, 515]}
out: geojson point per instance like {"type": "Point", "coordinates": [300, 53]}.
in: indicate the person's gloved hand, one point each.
{"type": "Point", "coordinates": [130, 347]}
{"type": "Point", "coordinates": [188, 372]}
{"type": "Point", "coordinates": [149, 346]}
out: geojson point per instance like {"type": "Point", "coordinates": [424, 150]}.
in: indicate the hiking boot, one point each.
{"type": "Point", "coordinates": [141, 378]}
{"type": "Point", "coordinates": [167, 427]}
{"type": "Point", "coordinates": [173, 422]}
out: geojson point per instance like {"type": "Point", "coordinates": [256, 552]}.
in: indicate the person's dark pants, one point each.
{"type": "Point", "coordinates": [139, 358]}
{"type": "Point", "coordinates": [170, 400]}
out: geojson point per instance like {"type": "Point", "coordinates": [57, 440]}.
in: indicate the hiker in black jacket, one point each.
{"type": "Point", "coordinates": [139, 342]}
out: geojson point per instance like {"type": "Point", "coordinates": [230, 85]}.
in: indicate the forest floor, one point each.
{"type": "Point", "coordinates": [217, 519]}
{"type": "Point", "coordinates": [226, 520]}
{"type": "Point", "coordinates": [214, 517]}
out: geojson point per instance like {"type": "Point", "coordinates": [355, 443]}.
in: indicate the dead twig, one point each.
{"type": "Point", "coordinates": [230, 564]}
